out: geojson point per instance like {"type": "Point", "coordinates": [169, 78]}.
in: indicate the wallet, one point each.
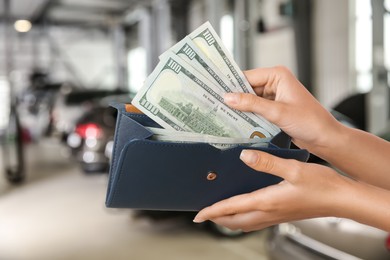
{"type": "Point", "coordinates": [176, 176]}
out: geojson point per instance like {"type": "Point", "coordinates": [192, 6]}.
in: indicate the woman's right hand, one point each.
{"type": "Point", "coordinates": [284, 101]}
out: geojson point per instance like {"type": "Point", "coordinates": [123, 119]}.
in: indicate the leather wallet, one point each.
{"type": "Point", "coordinates": [158, 175]}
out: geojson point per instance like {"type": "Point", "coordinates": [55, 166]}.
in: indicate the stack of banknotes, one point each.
{"type": "Point", "coordinates": [184, 94]}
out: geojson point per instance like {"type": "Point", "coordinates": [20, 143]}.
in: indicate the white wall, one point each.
{"type": "Point", "coordinates": [276, 48]}
{"type": "Point", "coordinates": [331, 50]}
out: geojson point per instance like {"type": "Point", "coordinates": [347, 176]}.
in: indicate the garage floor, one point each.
{"type": "Point", "coordinates": [59, 213]}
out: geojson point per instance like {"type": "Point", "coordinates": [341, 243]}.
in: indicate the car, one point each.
{"type": "Point", "coordinates": [327, 238]}
{"type": "Point", "coordinates": [92, 132]}
{"type": "Point", "coordinates": [71, 104]}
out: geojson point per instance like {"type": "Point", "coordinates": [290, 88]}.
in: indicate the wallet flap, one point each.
{"type": "Point", "coordinates": [175, 176]}
{"type": "Point", "coordinates": [149, 174]}
{"type": "Point", "coordinates": [126, 129]}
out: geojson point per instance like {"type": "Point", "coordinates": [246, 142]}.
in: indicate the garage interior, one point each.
{"type": "Point", "coordinates": [62, 62]}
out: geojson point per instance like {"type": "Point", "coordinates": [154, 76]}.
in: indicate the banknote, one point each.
{"type": "Point", "coordinates": [190, 53]}
{"type": "Point", "coordinates": [178, 97]}
{"type": "Point", "coordinates": [192, 136]}
{"type": "Point", "coordinates": [208, 42]}
{"type": "Point", "coordinates": [216, 141]}
{"type": "Point", "coordinates": [187, 51]}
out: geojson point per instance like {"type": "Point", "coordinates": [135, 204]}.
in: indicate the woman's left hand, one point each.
{"type": "Point", "coordinates": [307, 191]}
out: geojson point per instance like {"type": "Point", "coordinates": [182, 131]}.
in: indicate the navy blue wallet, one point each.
{"type": "Point", "coordinates": [157, 175]}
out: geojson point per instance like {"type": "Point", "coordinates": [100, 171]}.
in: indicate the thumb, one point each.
{"type": "Point", "coordinates": [247, 102]}
{"type": "Point", "coordinates": [287, 169]}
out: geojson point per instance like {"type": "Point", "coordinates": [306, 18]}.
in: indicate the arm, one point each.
{"type": "Point", "coordinates": [284, 101]}
{"type": "Point", "coordinates": [362, 155]}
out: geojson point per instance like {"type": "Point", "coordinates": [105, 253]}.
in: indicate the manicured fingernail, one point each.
{"type": "Point", "coordinates": [231, 98]}
{"type": "Point", "coordinates": [249, 156]}
{"type": "Point", "coordinates": [198, 219]}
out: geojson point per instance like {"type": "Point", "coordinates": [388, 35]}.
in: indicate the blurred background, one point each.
{"type": "Point", "coordinates": [63, 61]}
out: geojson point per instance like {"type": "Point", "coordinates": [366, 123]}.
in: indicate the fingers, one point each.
{"type": "Point", "coordinates": [270, 110]}
{"type": "Point", "coordinates": [261, 200]}
{"type": "Point", "coordinates": [264, 162]}
{"type": "Point", "coordinates": [237, 204]}
{"type": "Point", "coordinates": [246, 222]}
{"type": "Point", "coordinates": [261, 77]}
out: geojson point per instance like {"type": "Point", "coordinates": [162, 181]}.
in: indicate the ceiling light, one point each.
{"type": "Point", "coordinates": [22, 26]}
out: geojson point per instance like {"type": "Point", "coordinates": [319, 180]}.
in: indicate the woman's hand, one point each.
{"type": "Point", "coordinates": [284, 101]}
{"type": "Point", "coordinates": [308, 190]}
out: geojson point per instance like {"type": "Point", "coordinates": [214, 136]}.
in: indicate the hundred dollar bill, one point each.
{"type": "Point", "coordinates": [211, 45]}
{"type": "Point", "coordinates": [190, 53]}
{"type": "Point", "coordinates": [187, 51]}
{"type": "Point", "coordinates": [197, 136]}
{"type": "Point", "coordinates": [208, 41]}
{"type": "Point", "coordinates": [178, 97]}
{"type": "Point", "coordinates": [203, 138]}
{"type": "Point", "coordinates": [216, 141]}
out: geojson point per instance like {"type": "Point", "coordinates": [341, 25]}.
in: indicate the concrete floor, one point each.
{"type": "Point", "coordinates": [59, 213]}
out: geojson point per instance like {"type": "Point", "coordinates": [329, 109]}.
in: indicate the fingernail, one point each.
{"type": "Point", "coordinates": [249, 156]}
{"type": "Point", "coordinates": [231, 98]}
{"type": "Point", "coordinates": [198, 219]}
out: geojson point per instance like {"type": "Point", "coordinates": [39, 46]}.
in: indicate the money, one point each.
{"type": "Point", "coordinates": [211, 45]}
{"type": "Point", "coordinates": [208, 41]}
{"type": "Point", "coordinates": [191, 54]}
{"type": "Point", "coordinates": [165, 135]}
{"type": "Point", "coordinates": [184, 94]}
{"type": "Point", "coordinates": [196, 136]}
{"type": "Point", "coordinates": [223, 143]}
{"type": "Point", "coordinates": [180, 98]}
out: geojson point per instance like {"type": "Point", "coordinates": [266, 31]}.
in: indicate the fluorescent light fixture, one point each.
{"type": "Point", "coordinates": [22, 26]}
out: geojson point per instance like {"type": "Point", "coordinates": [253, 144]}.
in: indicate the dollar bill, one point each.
{"type": "Point", "coordinates": [166, 134]}
{"type": "Point", "coordinates": [209, 43]}
{"type": "Point", "coordinates": [186, 50]}
{"type": "Point", "coordinates": [218, 142]}
{"type": "Point", "coordinates": [178, 97]}
{"type": "Point", "coordinates": [190, 53]}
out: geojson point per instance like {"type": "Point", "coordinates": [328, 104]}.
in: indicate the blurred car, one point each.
{"type": "Point", "coordinates": [70, 105]}
{"type": "Point", "coordinates": [327, 238]}
{"type": "Point", "coordinates": [91, 133]}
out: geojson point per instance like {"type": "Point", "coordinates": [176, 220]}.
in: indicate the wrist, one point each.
{"type": "Point", "coordinates": [338, 195]}
{"type": "Point", "coordinates": [366, 204]}
{"type": "Point", "coordinates": [333, 140]}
